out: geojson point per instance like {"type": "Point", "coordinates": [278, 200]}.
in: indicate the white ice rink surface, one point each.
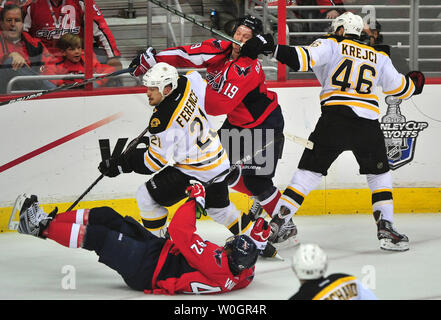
{"type": "Point", "coordinates": [32, 268]}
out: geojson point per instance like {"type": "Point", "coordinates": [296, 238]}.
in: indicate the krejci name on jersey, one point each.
{"type": "Point", "coordinates": [357, 52]}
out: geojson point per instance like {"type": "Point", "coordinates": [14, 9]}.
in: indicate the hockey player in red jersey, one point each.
{"type": "Point", "coordinates": [48, 20]}
{"type": "Point", "coordinates": [184, 264]}
{"type": "Point", "coordinates": [237, 89]}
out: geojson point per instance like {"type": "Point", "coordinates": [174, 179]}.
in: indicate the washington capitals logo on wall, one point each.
{"type": "Point", "coordinates": [241, 71]}
{"type": "Point", "coordinates": [400, 135]}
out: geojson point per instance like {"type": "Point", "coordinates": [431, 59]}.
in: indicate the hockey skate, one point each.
{"type": "Point", "coordinates": [255, 211]}
{"type": "Point", "coordinates": [389, 238]}
{"type": "Point", "coordinates": [32, 219]}
{"type": "Point", "coordinates": [281, 230]}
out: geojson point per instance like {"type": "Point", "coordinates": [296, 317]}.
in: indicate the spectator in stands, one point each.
{"type": "Point", "coordinates": [20, 54]}
{"type": "Point", "coordinates": [373, 37]}
{"type": "Point", "coordinates": [72, 61]}
{"type": "Point", "coordinates": [335, 9]}
{"type": "Point", "coordinates": [50, 19]}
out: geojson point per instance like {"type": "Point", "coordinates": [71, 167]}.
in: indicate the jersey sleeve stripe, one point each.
{"type": "Point", "coordinates": [150, 164]}
{"type": "Point", "coordinates": [410, 91]}
{"type": "Point", "coordinates": [154, 160]}
{"type": "Point", "coordinates": [197, 59]}
{"type": "Point", "coordinates": [156, 156]}
{"type": "Point", "coordinates": [303, 61]}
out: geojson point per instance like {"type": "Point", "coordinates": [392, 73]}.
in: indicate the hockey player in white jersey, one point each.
{"type": "Point", "coordinates": [349, 71]}
{"type": "Point", "coordinates": [310, 263]}
{"type": "Point", "coordinates": [179, 132]}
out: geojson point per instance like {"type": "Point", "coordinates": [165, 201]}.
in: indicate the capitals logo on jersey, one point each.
{"type": "Point", "coordinates": [400, 135]}
{"type": "Point", "coordinates": [241, 71]}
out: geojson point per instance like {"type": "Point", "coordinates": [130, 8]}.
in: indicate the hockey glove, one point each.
{"type": "Point", "coordinates": [234, 175]}
{"type": "Point", "coordinates": [113, 167]}
{"type": "Point", "coordinates": [143, 62]}
{"type": "Point", "coordinates": [196, 192]}
{"type": "Point", "coordinates": [257, 45]}
{"type": "Point", "coordinates": [418, 79]}
{"type": "Point", "coordinates": [260, 233]}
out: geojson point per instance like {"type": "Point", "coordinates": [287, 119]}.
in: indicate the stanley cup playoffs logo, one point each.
{"type": "Point", "coordinates": [400, 134]}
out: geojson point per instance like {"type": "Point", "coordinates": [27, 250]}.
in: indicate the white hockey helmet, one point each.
{"type": "Point", "coordinates": [161, 75]}
{"type": "Point", "coordinates": [309, 262]}
{"type": "Point", "coordinates": [352, 23]}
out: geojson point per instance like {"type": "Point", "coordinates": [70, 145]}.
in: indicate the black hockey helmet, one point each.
{"type": "Point", "coordinates": [255, 24]}
{"type": "Point", "coordinates": [243, 253]}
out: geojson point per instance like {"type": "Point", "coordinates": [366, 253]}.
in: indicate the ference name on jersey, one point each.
{"type": "Point", "coordinates": [188, 109]}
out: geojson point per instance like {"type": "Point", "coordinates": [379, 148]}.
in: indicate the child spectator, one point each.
{"type": "Point", "coordinates": [72, 61]}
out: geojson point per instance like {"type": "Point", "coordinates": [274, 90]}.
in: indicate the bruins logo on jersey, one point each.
{"type": "Point", "coordinates": [155, 122]}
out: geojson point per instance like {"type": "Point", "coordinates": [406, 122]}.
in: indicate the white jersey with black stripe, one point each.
{"type": "Point", "coordinates": [184, 137]}
{"type": "Point", "coordinates": [349, 73]}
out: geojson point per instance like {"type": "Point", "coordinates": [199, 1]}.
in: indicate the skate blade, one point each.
{"type": "Point", "coordinates": [14, 219]}
{"type": "Point", "coordinates": [386, 244]}
{"type": "Point", "coordinates": [289, 243]}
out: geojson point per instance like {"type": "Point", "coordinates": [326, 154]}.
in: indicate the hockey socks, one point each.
{"type": "Point", "coordinates": [70, 235]}
{"type": "Point", "coordinates": [382, 200]}
{"type": "Point", "coordinates": [270, 202]}
{"type": "Point", "coordinates": [80, 216]}
{"type": "Point", "coordinates": [240, 187]}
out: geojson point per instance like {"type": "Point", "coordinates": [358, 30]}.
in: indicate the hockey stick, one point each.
{"type": "Point", "coordinates": [66, 86]}
{"type": "Point", "coordinates": [240, 162]}
{"type": "Point", "coordinates": [132, 145]}
{"type": "Point", "coordinates": [193, 20]}
{"type": "Point", "coordinates": [308, 144]}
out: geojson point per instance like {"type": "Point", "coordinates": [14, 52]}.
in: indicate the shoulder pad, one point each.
{"type": "Point", "coordinates": [334, 37]}
{"type": "Point", "coordinates": [383, 48]}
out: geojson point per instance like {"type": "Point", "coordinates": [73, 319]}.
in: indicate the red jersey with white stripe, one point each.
{"type": "Point", "coordinates": [235, 87]}
{"type": "Point", "coordinates": [189, 264]}
{"type": "Point", "coordinates": [48, 20]}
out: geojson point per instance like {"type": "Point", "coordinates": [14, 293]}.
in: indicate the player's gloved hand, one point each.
{"type": "Point", "coordinates": [113, 167]}
{"type": "Point", "coordinates": [418, 79]}
{"type": "Point", "coordinates": [196, 191]}
{"type": "Point", "coordinates": [234, 175]}
{"type": "Point", "coordinates": [260, 233]}
{"type": "Point", "coordinates": [143, 62]}
{"type": "Point", "coordinates": [257, 45]}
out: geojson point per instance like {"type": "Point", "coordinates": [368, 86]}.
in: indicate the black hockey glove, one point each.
{"type": "Point", "coordinates": [143, 62]}
{"type": "Point", "coordinates": [257, 45]}
{"type": "Point", "coordinates": [114, 166]}
{"type": "Point", "coordinates": [418, 79]}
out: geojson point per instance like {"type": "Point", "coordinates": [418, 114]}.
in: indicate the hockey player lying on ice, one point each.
{"type": "Point", "coordinates": [185, 264]}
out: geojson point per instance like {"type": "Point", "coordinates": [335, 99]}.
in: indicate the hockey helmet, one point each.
{"type": "Point", "coordinates": [161, 75]}
{"type": "Point", "coordinates": [255, 24]}
{"type": "Point", "coordinates": [243, 253]}
{"type": "Point", "coordinates": [309, 262]}
{"type": "Point", "coordinates": [352, 24]}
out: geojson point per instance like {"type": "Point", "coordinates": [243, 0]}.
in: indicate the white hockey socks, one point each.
{"type": "Point", "coordinates": [302, 183]}
{"type": "Point", "coordinates": [382, 200]}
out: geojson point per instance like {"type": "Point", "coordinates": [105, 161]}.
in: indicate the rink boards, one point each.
{"type": "Point", "coordinates": [51, 147]}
